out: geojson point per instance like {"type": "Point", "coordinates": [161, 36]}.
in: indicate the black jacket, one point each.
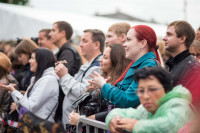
{"type": "Point", "coordinates": [24, 77]}
{"type": "Point", "coordinates": [180, 65]}
{"type": "Point", "coordinates": [71, 55]}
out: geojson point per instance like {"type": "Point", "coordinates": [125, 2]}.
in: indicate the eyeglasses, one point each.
{"type": "Point", "coordinates": [140, 92]}
{"type": "Point", "coordinates": [196, 55]}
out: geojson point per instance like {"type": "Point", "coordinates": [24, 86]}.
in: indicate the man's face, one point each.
{"type": "Point", "coordinates": [55, 34]}
{"type": "Point", "coordinates": [150, 91]}
{"type": "Point", "coordinates": [42, 40]}
{"type": "Point", "coordinates": [171, 40]}
{"type": "Point", "coordinates": [87, 45]}
{"type": "Point", "coordinates": [112, 38]}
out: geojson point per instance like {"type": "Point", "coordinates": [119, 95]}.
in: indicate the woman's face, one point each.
{"type": "Point", "coordinates": [33, 63]}
{"type": "Point", "coordinates": [196, 54]}
{"type": "Point", "coordinates": [132, 45]}
{"type": "Point", "coordinates": [197, 37]}
{"type": "Point", "coordinates": [105, 61]}
{"type": "Point", "coordinates": [150, 91]}
{"type": "Point", "coordinates": [23, 58]}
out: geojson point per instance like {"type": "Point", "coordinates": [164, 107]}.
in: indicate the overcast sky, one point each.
{"type": "Point", "coordinates": [163, 11]}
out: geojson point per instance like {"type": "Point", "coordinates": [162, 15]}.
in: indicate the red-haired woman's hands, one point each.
{"type": "Point", "coordinates": [98, 81]}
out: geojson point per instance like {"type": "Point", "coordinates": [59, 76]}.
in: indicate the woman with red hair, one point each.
{"type": "Point", "coordinates": [140, 47]}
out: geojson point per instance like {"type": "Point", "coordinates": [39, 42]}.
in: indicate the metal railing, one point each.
{"type": "Point", "coordinates": [90, 123]}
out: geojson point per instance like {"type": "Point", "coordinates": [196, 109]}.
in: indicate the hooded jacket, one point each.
{"type": "Point", "coordinates": [123, 94]}
{"type": "Point", "coordinates": [174, 111]}
{"type": "Point", "coordinates": [43, 97]}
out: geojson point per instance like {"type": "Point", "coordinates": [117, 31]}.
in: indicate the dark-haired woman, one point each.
{"type": "Point", "coordinates": [41, 96]}
{"type": "Point", "coordinates": [23, 53]}
{"type": "Point", "coordinates": [163, 109]}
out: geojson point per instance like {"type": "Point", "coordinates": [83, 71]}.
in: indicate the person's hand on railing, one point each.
{"type": "Point", "coordinates": [114, 125]}
{"type": "Point", "coordinates": [127, 123]}
{"type": "Point", "coordinates": [118, 124]}
{"type": "Point", "coordinates": [73, 118]}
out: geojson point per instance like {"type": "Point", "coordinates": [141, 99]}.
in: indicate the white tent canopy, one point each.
{"type": "Point", "coordinates": [21, 21]}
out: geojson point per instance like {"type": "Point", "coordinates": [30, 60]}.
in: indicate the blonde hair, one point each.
{"type": "Point", "coordinates": [120, 28]}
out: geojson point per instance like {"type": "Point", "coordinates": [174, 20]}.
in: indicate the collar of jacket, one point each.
{"type": "Point", "coordinates": [172, 61]}
{"type": "Point", "coordinates": [146, 56]}
{"type": "Point", "coordinates": [65, 45]}
{"type": "Point", "coordinates": [48, 71]}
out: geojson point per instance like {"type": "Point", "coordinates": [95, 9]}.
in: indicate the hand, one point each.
{"type": "Point", "coordinates": [107, 79]}
{"type": "Point", "coordinates": [91, 87]}
{"type": "Point", "coordinates": [114, 123]}
{"type": "Point", "coordinates": [22, 92]}
{"type": "Point", "coordinates": [13, 107]}
{"type": "Point", "coordinates": [61, 70]}
{"type": "Point", "coordinates": [58, 62]}
{"type": "Point", "coordinates": [127, 123]}
{"type": "Point", "coordinates": [73, 118]}
{"type": "Point", "coordinates": [10, 87]}
{"type": "Point", "coordinates": [98, 81]}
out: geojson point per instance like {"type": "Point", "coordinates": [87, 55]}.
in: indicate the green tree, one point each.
{"type": "Point", "coordinates": [16, 2]}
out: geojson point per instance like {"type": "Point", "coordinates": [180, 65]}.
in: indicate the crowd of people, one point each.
{"type": "Point", "coordinates": [124, 81]}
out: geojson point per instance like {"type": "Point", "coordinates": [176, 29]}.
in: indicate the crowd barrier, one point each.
{"type": "Point", "coordinates": [90, 123]}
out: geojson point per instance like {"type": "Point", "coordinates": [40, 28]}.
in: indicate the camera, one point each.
{"type": "Point", "coordinates": [89, 105]}
{"type": "Point", "coordinates": [93, 105]}
{"type": "Point", "coordinates": [90, 108]}
{"type": "Point", "coordinates": [35, 39]}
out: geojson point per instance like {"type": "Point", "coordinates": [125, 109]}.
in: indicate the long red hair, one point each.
{"type": "Point", "coordinates": [145, 32]}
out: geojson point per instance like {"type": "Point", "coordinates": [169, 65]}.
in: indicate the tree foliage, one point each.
{"type": "Point", "coordinates": [16, 2]}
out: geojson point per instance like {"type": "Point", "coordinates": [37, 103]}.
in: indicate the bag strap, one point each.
{"type": "Point", "coordinates": [74, 105]}
{"type": "Point", "coordinates": [95, 62]}
{"type": "Point", "coordinates": [53, 108]}
{"type": "Point", "coordinates": [51, 111]}
{"type": "Point", "coordinates": [158, 63]}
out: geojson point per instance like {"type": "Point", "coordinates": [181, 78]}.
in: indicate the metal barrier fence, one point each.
{"type": "Point", "coordinates": [90, 123]}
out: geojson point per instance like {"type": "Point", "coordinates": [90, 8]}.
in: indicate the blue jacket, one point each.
{"type": "Point", "coordinates": [124, 95]}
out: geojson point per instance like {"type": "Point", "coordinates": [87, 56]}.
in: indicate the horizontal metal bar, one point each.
{"type": "Point", "coordinates": [90, 122]}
